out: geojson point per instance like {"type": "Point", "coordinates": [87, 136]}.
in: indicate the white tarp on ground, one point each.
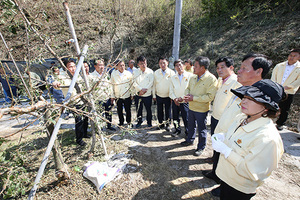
{"type": "Point", "coordinates": [101, 173]}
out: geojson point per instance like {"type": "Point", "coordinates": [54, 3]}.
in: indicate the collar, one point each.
{"type": "Point", "coordinates": [294, 65]}
{"type": "Point", "coordinates": [262, 121]}
{"type": "Point", "coordinates": [164, 72]}
{"type": "Point", "coordinates": [201, 75]}
{"type": "Point", "coordinates": [229, 79]}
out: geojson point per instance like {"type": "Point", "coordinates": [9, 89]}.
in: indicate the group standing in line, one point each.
{"type": "Point", "coordinates": [243, 106]}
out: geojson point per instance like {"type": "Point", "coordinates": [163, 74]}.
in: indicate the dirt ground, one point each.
{"type": "Point", "coordinates": [159, 167]}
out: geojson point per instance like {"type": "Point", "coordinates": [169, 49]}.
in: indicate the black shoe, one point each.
{"type": "Point", "coordinates": [198, 152]}
{"type": "Point", "coordinates": [87, 136]}
{"type": "Point", "coordinates": [138, 125]}
{"type": "Point", "coordinates": [161, 126]}
{"type": "Point", "coordinates": [176, 133]}
{"type": "Point", "coordinates": [216, 192]}
{"type": "Point", "coordinates": [149, 125]}
{"type": "Point", "coordinates": [279, 127]}
{"type": "Point", "coordinates": [209, 174]}
{"type": "Point", "coordinates": [168, 128]}
{"type": "Point", "coordinates": [185, 143]}
{"type": "Point", "coordinates": [81, 143]}
{"type": "Point", "coordinates": [111, 128]}
{"type": "Point", "coordinates": [120, 124]}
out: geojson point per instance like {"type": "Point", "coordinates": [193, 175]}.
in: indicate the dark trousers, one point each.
{"type": "Point", "coordinates": [58, 95]}
{"type": "Point", "coordinates": [229, 193]}
{"type": "Point", "coordinates": [200, 119]}
{"type": "Point", "coordinates": [147, 101]}
{"type": "Point", "coordinates": [182, 109]}
{"type": "Point", "coordinates": [9, 94]}
{"type": "Point", "coordinates": [216, 155]}
{"type": "Point", "coordinates": [107, 108]}
{"type": "Point", "coordinates": [127, 105]}
{"type": "Point", "coordinates": [163, 109]}
{"type": "Point", "coordinates": [136, 102]}
{"type": "Point", "coordinates": [81, 125]}
{"type": "Point", "coordinates": [284, 109]}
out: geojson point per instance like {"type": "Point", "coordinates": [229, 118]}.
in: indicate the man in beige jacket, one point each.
{"type": "Point", "coordinates": [103, 91]}
{"type": "Point", "coordinates": [178, 85]}
{"type": "Point", "coordinates": [161, 88]}
{"type": "Point", "coordinates": [200, 92]}
{"type": "Point", "coordinates": [121, 81]}
{"type": "Point", "coordinates": [288, 75]}
{"type": "Point", "coordinates": [227, 81]}
{"type": "Point", "coordinates": [143, 83]}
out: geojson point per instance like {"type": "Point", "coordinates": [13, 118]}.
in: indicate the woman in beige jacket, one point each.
{"type": "Point", "coordinates": [252, 147]}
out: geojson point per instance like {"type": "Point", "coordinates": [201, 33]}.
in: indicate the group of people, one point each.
{"type": "Point", "coordinates": [247, 145]}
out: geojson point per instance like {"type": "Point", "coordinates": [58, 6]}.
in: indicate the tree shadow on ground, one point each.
{"type": "Point", "coordinates": [173, 171]}
{"type": "Point", "coordinates": [290, 141]}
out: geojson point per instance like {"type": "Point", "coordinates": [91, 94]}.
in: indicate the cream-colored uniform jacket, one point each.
{"type": "Point", "coordinates": [293, 80]}
{"type": "Point", "coordinates": [65, 81]}
{"type": "Point", "coordinates": [178, 88]}
{"type": "Point", "coordinates": [162, 82]}
{"type": "Point", "coordinates": [121, 85]}
{"type": "Point", "coordinates": [204, 91]}
{"type": "Point", "coordinates": [223, 95]}
{"type": "Point", "coordinates": [256, 150]}
{"type": "Point", "coordinates": [104, 89]}
{"type": "Point", "coordinates": [232, 109]}
{"type": "Point", "coordinates": [189, 70]}
{"type": "Point", "coordinates": [143, 80]}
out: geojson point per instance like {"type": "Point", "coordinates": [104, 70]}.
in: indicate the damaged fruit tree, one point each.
{"type": "Point", "coordinates": [51, 94]}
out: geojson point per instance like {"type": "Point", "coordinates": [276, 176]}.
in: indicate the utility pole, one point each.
{"type": "Point", "coordinates": [176, 37]}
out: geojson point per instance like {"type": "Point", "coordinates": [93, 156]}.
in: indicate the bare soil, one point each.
{"type": "Point", "coordinates": [160, 168]}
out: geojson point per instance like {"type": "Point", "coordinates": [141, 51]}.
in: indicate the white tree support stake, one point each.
{"type": "Point", "coordinates": [72, 30]}
{"type": "Point", "coordinates": [57, 127]}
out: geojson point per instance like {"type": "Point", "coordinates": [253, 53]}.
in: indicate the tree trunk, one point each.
{"type": "Point", "coordinates": [60, 166]}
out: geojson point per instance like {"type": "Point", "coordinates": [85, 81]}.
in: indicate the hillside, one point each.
{"type": "Point", "coordinates": [158, 166]}
{"type": "Point", "coordinates": [133, 27]}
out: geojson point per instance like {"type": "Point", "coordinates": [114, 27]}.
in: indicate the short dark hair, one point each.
{"type": "Point", "coordinates": [96, 61]}
{"type": "Point", "coordinates": [163, 58]}
{"type": "Point", "coordinates": [295, 50]}
{"type": "Point", "coordinates": [203, 61]}
{"type": "Point", "coordinates": [264, 63]}
{"type": "Point", "coordinates": [132, 61]}
{"type": "Point", "coordinates": [68, 60]}
{"type": "Point", "coordinates": [253, 55]}
{"type": "Point", "coordinates": [228, 61]}
{"type": "Point", "coordinates": [189, 61]}
{"type": "Point", "coordinates": [117, 62]}
{"type": "Point", "coordinates": [86, 62]}
{"type": "Point", "coordinates": [53, 68]}
{"type": "Point", "coordinates": [141, 58]}
{"type": "Point", "coordinates": [177, 61]}
{"type": "Point", "coordinates": [266, 68]}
